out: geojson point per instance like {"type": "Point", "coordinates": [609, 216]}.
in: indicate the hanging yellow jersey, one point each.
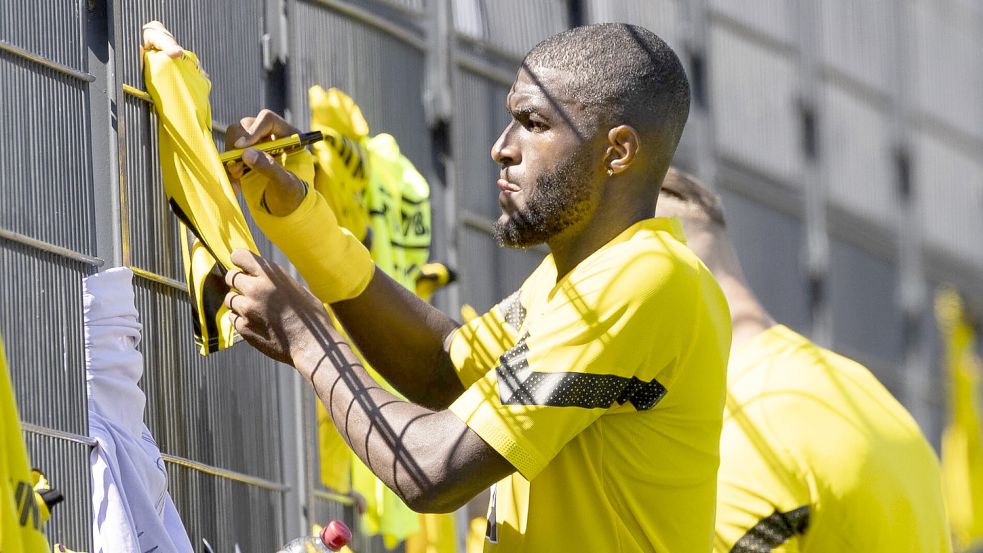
{"type": "Point", "coordinates": [341, 175]}
{"type": "Point", "coordinates": [197, 189]}
{"type": "Point", "coordinates": [20, 513]}
{"type": "Point", "coordinates": [399, 207]}
{"type": "Point", "coordinates": [962, 440]}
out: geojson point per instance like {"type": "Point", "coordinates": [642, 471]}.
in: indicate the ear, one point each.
{"type": "Point", "coordinates": [623, 146]}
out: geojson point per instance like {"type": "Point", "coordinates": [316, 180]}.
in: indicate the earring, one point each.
{"type": "Point", "coordinates": [610, 172]}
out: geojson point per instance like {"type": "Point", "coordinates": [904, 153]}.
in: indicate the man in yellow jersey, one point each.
{"type": "Point", "coordinates": [816, 455]}
{"type": "Point", "coordinates": [590, 400]}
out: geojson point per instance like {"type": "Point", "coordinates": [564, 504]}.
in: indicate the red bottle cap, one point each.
{"type": "Point", "coordinates": [336, 535]}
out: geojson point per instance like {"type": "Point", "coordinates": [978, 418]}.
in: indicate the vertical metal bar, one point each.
{"type": "Point", "coordinates": [102, 138]}
{"type": "Point", "coordinates": [911, 294]}
{"type": "Point", "coordinates": [701, 121]}
{"type": "Point", "coordinates": [813, 180]}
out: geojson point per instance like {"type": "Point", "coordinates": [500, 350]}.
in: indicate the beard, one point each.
{"type": "Point", "coordinates": [561, 199]}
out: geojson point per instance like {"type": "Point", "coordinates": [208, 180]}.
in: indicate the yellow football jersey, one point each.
{"type": "Point", "coordinates": [197, 189]}
{"type": "Point", "coordinates": [605, 391]}
{"type": "Point", "coordinates": [816, 455]}
{"type": "Point", "coordinates": [20, 514]}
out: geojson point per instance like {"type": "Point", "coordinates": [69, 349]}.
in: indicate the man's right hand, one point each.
{"type": "Point", "coordinates": [282, 190]}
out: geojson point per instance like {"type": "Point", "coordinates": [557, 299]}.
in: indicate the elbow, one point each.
{"type": "Point", "coordinates": [438, 495]}
{"type": "Point", "coordinates": [434, 497]}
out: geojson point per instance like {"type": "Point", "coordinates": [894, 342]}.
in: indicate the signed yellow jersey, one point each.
{"type": "Point", "coordinates": [817, 456]}
{"type": "Point", "coordinates": [197, 189]}
{"type": "Point", "coordinates": [604, 389]}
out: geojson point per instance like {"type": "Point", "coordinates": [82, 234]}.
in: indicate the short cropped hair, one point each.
{"type": "Point", "coordinates": [625, 73]}
{"type": "Point", "coordinates": [697, 200]}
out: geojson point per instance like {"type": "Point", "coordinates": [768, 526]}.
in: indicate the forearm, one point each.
{"type": "Point", "coordinates": [403, 338]}
{"type": "Point", "coordinates": [418, 453]}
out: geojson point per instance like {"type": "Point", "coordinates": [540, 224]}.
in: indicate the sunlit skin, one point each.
{"type": "Point", "coordinates": [418, 448]}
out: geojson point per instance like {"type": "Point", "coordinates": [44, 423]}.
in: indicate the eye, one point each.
{"type": "Point", "coordinates": [536, 126]}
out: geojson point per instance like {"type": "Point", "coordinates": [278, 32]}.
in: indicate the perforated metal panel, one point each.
{"type": "Point", "coordinates": [227, 39]}
{"type": "Point", "coordinates": [477, 276]}
{"type": "Point", "coordinates": [857, 39]}
{"type": "Point", "coordinates": [515, 26]}
{"type": "Point", "coordinates": [858, 155]}
{"type": "Point", "coordinates": [754, 102]}
{"type": "Point", "coordinates": [945, 88]}
{"type": "Point", "coordinates": [227, 513]}
{"type": "Point", "coordinates": [866, 319]}
{"type": "Point", "coordinates": [662, 17]}
{"type": "Point", "coordinates": [950, 184]}
{"type": "Point", "coordinates": [769, 244]}
{"type": "Point", "coordinates": [31, 24]}
{"type": "Point", "coordinates": [481, 103]}
{"type": "Point", "coordinates": [772, 18]}
{"type": "Point", "coordinates": [383, 74]}
{"type": "Point", "coordinates": [44, 163]}
{"type": "Point", "coordinates": [41, 323]}
{"type": "Point", "coordinates": [66, 464]}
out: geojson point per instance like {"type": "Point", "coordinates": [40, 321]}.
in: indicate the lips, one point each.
{"type": "Point", "coordinates": [506, 186]}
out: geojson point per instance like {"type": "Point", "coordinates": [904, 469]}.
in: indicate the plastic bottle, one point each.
{"type": "Point", "coordinates": [334, 537]}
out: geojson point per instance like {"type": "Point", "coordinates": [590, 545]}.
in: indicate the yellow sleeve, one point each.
{"type": "Point", "coordinates": [604, 339]}
{"type": "Point", "coordinates": [763, 499]}
{"type": "Point", "coordinates": [333, 262]}
{"type": "Point", "coordinates": [477, 345]}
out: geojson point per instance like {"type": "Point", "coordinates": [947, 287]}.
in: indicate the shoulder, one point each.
{"type": "Point", "coordinates": [648, 268]}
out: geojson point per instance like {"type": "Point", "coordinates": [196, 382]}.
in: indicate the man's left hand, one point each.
{"type": "Point", "coordinates": [272, 311]}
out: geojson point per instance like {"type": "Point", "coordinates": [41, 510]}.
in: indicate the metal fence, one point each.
{"type": "Point", "coordinates": [844, 136]}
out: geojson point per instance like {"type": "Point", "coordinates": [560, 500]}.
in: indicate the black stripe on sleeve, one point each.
{"type": "Point", "coordinates": [773, 531]}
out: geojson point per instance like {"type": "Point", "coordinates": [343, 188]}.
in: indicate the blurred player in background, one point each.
{"type": "Point", "coordinates": [816, 455]}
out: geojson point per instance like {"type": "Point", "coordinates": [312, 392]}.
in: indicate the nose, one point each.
{"type": "Point", "coordinates": [505, 151]}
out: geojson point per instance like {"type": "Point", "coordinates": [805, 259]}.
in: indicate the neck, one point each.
{"type": "Point", "coordinates": [575, 244]}
{"type": "Point", "coordinates": [748, 317]}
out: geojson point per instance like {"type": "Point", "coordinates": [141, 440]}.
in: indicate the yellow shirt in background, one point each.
{"type": "Point", "coordinates": [20, 514]}
{"type": "Point", "coordinates": [817, 456]}
{"type": "Point", "coordinates": [605, 391]}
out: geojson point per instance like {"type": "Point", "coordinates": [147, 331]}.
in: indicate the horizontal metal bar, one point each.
{"type": "Point", "coordinates": [58, 434]}
{"type": "Point", "coordinates": [477, 66]}
{"type": "Point", "coordinates": [488, 48]}
{"type": "Point", "coordinates": [475, 221]}
{"type": "Point", "coordinates": [160, 279]}
{"type": "Point", "coordinates": [370, 19]}
{"type": "Point", "coordinates": [753, 34]}
{"type": "Point", "coordinates": [137, 93]}
{"type": "Point", "coordinates": [40, 60]}
{"type": "Point", "coordinates": [50, 248]}
{"type": "Point", "coordinates": [254, 481]}
{"type": "Point", "coordinates": [332, 496]}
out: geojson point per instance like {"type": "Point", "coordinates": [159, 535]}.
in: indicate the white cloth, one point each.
{"type": "Point", "coordinates": [132, 511]}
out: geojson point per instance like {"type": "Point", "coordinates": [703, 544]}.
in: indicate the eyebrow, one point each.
{"type": "Point", "coordinates": [525, 110]}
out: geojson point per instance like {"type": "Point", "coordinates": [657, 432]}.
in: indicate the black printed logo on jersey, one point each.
{"type": "Point", "coordinates": [518, 384]}
{"type": "Point", "coordinates": [27, 508]}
